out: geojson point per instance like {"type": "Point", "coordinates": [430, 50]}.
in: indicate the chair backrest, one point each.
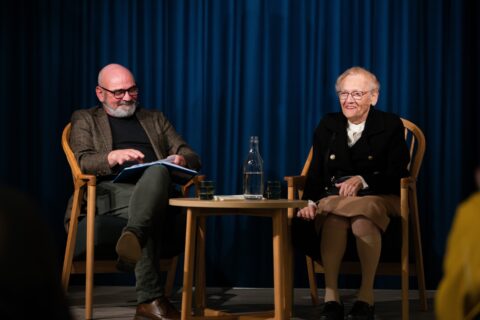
{"type": "Point", "coordinates": [416, 144]}
{"type": "Point", "coordinates": [72, 161]}
{"type": "Point", "coordinates": [415, 140]}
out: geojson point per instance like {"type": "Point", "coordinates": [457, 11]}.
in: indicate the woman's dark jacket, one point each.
{"type": "Point", "coordinates": [380, 156]}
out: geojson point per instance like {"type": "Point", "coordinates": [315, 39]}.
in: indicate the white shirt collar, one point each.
{"type": "Point", "coordinates": [356, 127]}
{"type": "Point", "coordinates": [354, 132]}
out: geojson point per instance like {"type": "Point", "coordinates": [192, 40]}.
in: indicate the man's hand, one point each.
{"type": "Point", "coordinates": [308, 213]}
{"type": "Point", "coordinates": [123, 155]}
{"type": "Point", "coordinates": [350, 187]}
{"type": "Point", "coordinates": [177, 159]}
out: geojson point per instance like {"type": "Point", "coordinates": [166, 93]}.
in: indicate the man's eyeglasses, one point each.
{"type": "Point", "coordinates": [120, 93]}
{"type": "Point", "coordinates": [356, 95]}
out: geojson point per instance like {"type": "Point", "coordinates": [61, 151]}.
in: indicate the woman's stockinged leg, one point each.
{"type": "Point", "coordinates": [369, 246]}
{"type": "Point", "coordinates": [332, 249]}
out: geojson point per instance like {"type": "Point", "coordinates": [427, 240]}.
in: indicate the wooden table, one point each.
{"type": "Point", "coordinates": [197, 211]}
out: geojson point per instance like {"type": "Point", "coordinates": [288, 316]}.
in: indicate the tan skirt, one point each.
{"type": "Point", "coordinates": [375, 208]}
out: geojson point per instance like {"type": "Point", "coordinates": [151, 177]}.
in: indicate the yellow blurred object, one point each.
{"type": "Point", "coordinates": [458, 295]}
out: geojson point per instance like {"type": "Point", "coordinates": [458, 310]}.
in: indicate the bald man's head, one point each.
{"type": "Point", "coordinates": [117, 90]}
{"type": "Point", "coordinates": [113, 71]}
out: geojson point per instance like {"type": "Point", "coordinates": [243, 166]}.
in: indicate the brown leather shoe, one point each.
{"type": "Point", "coordinates": [158, 309]}
{"type": "Point", "coordinates": [128, 247]}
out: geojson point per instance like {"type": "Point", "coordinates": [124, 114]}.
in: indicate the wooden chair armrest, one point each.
{"type": "Point", "coordinates": [81, 180]}
{"type": "Point", "coordinates": [90, 179]}
{"type": "Point", "coordinates": [295, 181]}
{"type": "Point", "coordinates": [195, 181]}
{"type": "Point", "coordinates": [407, 182]}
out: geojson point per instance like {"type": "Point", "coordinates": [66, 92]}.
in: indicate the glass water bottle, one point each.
{"type": "Point", "coordinates": [253, 172]}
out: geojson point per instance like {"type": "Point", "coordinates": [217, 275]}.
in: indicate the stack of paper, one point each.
{"type": "Point", "coordinates": [178, 174]}
{"type": "Point", "coordinates": [229, 197]}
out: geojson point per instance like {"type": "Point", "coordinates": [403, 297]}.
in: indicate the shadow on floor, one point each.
{"type": "Point", "coordinates": [115, 302]}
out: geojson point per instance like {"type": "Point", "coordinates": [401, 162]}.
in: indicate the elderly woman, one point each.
{"type": "Point", "coordinates": [359, 156]}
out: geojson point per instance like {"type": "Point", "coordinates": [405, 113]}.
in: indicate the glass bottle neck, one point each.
{"type": "Point", "coordinates": [254, 144]}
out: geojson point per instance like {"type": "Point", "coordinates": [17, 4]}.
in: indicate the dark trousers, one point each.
{"type": "Point", "coordinates": [144, 204]}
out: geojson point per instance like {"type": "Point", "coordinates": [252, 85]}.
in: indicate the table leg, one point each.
{"type": "Point", "coordinates": [288, 267]}
{"type": "Point", "coordinates": [188, 264]}
{"type": "Point", "coordinates": [200, 267]}
{"type": "Point", "coordinates": [278, 265]}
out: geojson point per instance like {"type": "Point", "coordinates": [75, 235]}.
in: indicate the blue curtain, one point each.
{"type": "Point", "coordinates": [225, 70]}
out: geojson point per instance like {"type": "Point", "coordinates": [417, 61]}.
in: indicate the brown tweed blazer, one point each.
{"type": "Point", "coordinates": [91, 139]}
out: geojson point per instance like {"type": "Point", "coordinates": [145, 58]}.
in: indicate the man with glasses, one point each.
{"type": "Point", "coordinates": [359, 157]}
{"type": "Point", "coordinates": [115, 135]}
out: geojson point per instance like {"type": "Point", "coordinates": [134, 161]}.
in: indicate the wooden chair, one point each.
{"type": "Point", "coordinates": [409, 209]}
{"type": "Point", "coordinates": [90, 225]}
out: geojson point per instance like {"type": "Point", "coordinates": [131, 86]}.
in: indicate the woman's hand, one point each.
{"type": "Point", "coordinates": [309, 212]}
{"type": "Point", "coordinates": [350, 187]}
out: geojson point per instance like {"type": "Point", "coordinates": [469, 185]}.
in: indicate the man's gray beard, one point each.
{"type": "Point", "coordinates": [122, 111]}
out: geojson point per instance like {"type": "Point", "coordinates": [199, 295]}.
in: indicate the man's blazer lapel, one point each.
{"type": "Point", "coordinates": [101, 122]}
{"type": "Point", "coordinates": [148, 124]}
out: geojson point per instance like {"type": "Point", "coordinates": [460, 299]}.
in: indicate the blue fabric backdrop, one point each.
{"type": "Point", "coordinates": [224, 70]}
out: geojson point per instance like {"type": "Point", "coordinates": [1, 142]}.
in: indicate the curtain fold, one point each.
{"type": "Point", "coordinates": [222, 71]}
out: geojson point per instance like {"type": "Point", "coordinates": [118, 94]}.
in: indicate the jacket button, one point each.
{"type": "Point", "coordinates": [370, 157]}
{"type": "Point", "coordinates": [332, 157]}
{"type": "Point", "coordinates": [326, 188]}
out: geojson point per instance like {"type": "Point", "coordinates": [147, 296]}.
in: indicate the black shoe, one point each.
{"type": "Point", "coordinates": [361, 311]}
{"type": "Point", "coordinates": [332, 310]}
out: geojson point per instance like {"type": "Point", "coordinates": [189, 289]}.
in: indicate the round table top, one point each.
{"type": "Point", "coordinates": [257, 204]}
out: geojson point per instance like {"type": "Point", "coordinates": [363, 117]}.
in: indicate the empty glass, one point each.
{"type": "Point", "coordinates": [206, 190]}
{"type": "Point", "coordinates": [274, 190]}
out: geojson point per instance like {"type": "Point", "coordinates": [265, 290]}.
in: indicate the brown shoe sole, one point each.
{"type": "Point", "coordinates": [128, 247]}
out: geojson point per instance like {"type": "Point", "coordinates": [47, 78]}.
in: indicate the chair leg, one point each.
{"type": "Point", "coordinates": [405, 297]}
{"type": "Point", "coordinates": [404, 208]}
{"type": "Point", "coordinates": [71, 238]}
{"type": "Point", "coordinates": [418, 253]}
{"type": "Point", "coordinates": [90, 252]}
{"type": "Point", "coordinates": [312, 281]}
{"type": "Point", "coordinates": [171, 277]}
{"type": "Point", "coordinates": [405, 278]}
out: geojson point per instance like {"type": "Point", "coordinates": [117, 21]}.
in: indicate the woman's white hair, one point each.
{"type": "Point", "coordinates": [375, 85]}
